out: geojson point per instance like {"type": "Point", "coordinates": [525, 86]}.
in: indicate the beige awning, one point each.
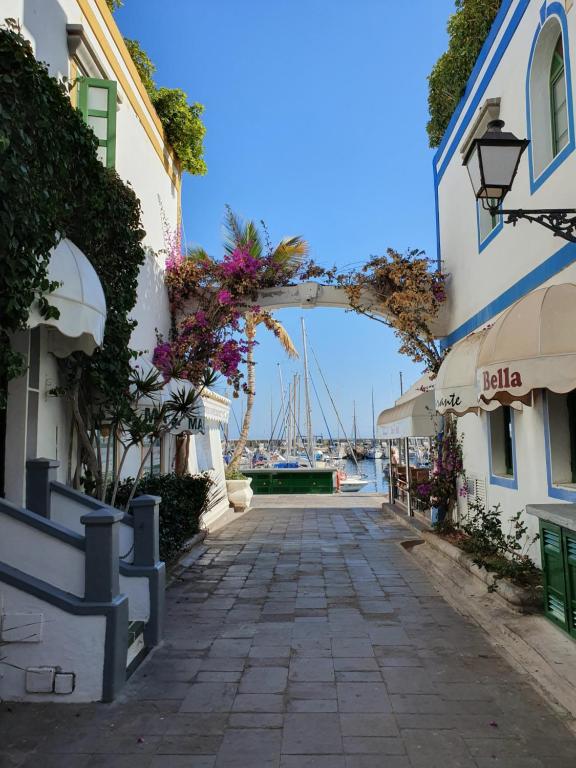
{"type": "Point", "coordinates": [531, 346]}
{"type": "Point", "coordinates": [79, 299]}
{"type": "Point", "coordinates": [455, 386]}
{"type": "Point", "coordinates": [412, 415]}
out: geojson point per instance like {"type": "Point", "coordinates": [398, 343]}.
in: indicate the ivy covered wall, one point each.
{"type": "Point", "coordinates": [52, 185]}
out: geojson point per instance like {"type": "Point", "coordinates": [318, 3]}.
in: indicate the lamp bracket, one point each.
{"type": "Point", "coordinates": [560, 221]}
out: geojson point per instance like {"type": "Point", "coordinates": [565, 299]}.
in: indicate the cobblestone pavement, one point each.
{"type": "Point", "coordinates": [305, 638]}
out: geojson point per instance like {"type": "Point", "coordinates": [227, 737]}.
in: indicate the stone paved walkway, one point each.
{"type": "Point", "coordinates": [305, 638]}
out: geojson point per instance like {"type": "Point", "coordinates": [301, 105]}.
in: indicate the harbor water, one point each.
{"type": "Point", "coordinates": [376, 472]}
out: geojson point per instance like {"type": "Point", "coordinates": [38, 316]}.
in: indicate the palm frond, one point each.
{"type": "Point", "coordinates": [280, 332]}
{"type": "Point", "coordinates": [290, 251]}
{"type": "Point", "coordinates": [233, 230]}
{"type": "Point", "coordinates": [239, 234]}
{"type": "Point", "coordinates": [197, 253]}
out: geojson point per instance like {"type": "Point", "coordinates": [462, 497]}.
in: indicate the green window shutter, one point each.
{"type": "Point", "coordinates": [97, 102]}
{"type": "Point", "coordinates": [570, 559]}
{"type": "Point", "coordinates": [552, 550]}
{"type": "Point", "coordinates": [558, 105]}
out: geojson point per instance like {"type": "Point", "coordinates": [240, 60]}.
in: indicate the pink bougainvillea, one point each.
{"type": "Point", "coordinates": [209, 299]}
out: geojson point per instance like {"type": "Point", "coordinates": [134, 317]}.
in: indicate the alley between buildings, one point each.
{"type": "Point", "coordinates": [305, 638]}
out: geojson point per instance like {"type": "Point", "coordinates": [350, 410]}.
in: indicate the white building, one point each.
{"type": "Point", "coordinates": [81, 606]}
{"type": "Point", "coordinates": [498, 273]}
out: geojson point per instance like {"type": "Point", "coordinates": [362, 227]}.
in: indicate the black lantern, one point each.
{"type": "Point", "coordinates": [492, 162]}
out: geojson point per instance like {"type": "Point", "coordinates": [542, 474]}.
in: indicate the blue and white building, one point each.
{"type": "Point", "coordinates": [511, 314]}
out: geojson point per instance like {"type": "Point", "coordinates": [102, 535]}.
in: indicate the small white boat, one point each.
{"type": "Point", "coordinates": [374, 453]}
{"type": "Point", "coordinates": [352, 483]}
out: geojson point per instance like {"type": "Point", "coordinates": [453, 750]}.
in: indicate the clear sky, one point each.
{"type": "Point", "coordinates": [315, 117]}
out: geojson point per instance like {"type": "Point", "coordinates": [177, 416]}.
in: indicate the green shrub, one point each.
{"type": "Point", "coordinates": [504, 553]}
{"type": "Point", "coordinates": [184, 500]}
{"type": "Point", "coordinates": [467, 30]}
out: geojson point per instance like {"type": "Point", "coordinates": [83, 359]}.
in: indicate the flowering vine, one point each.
{"type": "Point", "coordinates": [210, 298]}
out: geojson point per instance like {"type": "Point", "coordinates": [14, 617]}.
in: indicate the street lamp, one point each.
{"type": "Point", "coordinates": [492, 162]}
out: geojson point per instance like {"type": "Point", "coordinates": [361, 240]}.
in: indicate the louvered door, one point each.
{"type": "Point", "coordinates": [553, 562]}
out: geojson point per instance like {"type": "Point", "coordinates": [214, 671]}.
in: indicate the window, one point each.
{"type": "Point", "coordinates": [562, 438]}
{"type": "Point", "coordinates": [548, 97]}
{"type": "Point", "coordinates": [153, 465]}
{"type": "Point", "coordinates": [97, 102]}
{"type": "Point", "coordinates": [501, 446]}
{"type": "Point", "coordinates": [489, 224]}
{"type": "Point", "coordinates": [558, 102]}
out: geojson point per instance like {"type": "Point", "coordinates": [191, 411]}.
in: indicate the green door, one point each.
{"type": "Point", "coordinates": [553, 555]}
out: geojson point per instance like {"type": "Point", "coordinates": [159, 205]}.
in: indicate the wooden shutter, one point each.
{"type": "Point", "coordinates": [570, 572]}
{"type": "Point", "coordinates": [553, 554]}
{"type": "Point", "coordinates": [97, 102]}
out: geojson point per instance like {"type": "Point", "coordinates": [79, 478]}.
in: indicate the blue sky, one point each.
{"type": "Point", "coordinates": [315, 117]}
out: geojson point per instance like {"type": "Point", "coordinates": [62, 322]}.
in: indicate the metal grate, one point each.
{"type": "Point", "coordinates": [476, 490]}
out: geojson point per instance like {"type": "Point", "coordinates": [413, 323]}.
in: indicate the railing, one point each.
{"type": "Point", "coordinates": [141, 572]}
{"type": "Point", "coordinates": [74, 609]}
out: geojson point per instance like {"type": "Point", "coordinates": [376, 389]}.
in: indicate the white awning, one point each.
{"type": "Point", "coordinates": [531, 346]}
{"type": "Point", "coordinates": [413, 413]}
{"type": "Point", "coordinates": [79, 299]}
{"type": "Point", "coordinates": [455, 387]}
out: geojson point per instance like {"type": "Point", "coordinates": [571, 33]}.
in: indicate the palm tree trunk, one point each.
{"type": "Point", "coordinates": [251, 379]}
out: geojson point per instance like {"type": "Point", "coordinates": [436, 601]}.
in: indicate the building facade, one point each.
{"type": "Point", "coordinates": [517, 281]}
{"type": "Point", "coordinates": [81, 584]}
{"type": "Point", "coordinates": [82, 46]}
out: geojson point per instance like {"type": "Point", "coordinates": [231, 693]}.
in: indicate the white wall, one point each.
{"type": "Point", "coordinates": [42, 556]}
{"type": "Point", "coordinates": [479, 278]}
{"type": "Point", "coordinates": [73, 643]}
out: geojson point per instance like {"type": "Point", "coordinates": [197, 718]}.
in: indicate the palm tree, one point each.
{"type": "Point", "coordinates": [289, 253]}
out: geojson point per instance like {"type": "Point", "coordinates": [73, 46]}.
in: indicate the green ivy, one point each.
{"type": "Point", "coordinates": [52, 184]}
{"type": "Point", "coordinates": [468, 28]}
{"type": "Point", "coordinates": [47, 155]}
{"type": "Point", "coordinates": [143, 64]}
{"type": "Point", "coordinates": [184, 127]}
{"type": "Point", "coordinates": [182, 121]}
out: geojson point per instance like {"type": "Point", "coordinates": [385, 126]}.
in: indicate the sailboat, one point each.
{"type": "Point", "coordinates": [376, 451]}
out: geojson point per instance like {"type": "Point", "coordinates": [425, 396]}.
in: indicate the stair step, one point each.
{"type": "Point", "coordinates": [137, 650]}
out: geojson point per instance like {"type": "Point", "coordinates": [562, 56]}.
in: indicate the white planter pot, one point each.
{"type": "Point", "coordinates": [239, 493]}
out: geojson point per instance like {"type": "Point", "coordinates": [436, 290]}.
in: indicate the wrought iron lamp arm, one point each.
{"type": "Point", "coordinates": [560, 221]}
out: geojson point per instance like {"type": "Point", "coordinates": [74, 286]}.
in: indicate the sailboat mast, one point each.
{"type": "Point", "coordinates": [354, 423]}
{"type": "Point", "coordinates": [288, 416]}
{"type": "Point", "coordinates": [294, 413]}
{"type": "Point", "coordinates": [311, 451]}
{"type": "Point", "coordinates": [373, 424]}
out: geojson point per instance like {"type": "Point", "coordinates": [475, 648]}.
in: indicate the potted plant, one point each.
{"type": "Point", "coordinates": [239, 491]}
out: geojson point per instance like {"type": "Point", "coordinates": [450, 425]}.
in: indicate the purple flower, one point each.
{"type": "Point", "coordinates": [224, 297]}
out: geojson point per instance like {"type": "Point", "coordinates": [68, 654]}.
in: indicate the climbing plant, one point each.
{"type": "Point", "coordinates": [52, 185]}
{"type": "Point", "coordinates": [467, 30]}
{"type": "Point", "coordinates": [182, 121]}
{"type": "Point", "coordinates": [47, 161]}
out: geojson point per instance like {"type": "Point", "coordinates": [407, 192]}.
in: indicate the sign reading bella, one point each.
{"type": "Point", "coordinates": [504, 379]}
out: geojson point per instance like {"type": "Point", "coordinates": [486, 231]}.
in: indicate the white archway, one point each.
{"type": "Point", "coordinates": [310, 294]}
